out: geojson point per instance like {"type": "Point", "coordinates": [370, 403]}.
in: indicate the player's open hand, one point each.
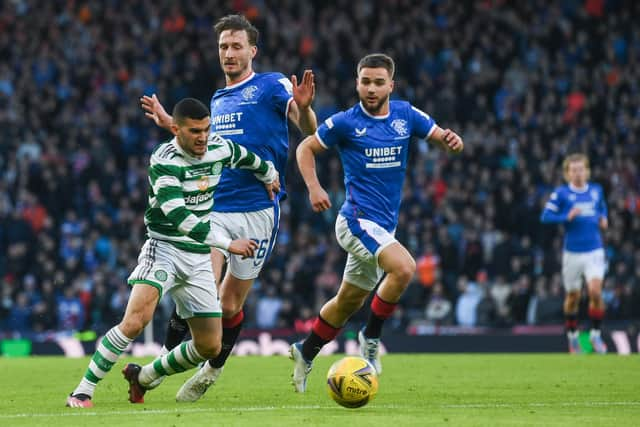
{"type": "Point", "coordinates": [319, 199]}
{"type": "Point", "coordinates": [303, 94]}
{"type": "Point", "coordinates": [244, 247]}
{"type": "Point", "coordinates": [452, 140]}
{"type": "Point", "coordinates": [273, 188]}
{"type": "Point", "coordinates": [154, 110]}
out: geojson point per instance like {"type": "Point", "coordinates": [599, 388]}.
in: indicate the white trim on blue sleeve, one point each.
{"type": "Point", "coordinates": [317, 135]}
{"type": "Point", "coordinates": [286, 110]}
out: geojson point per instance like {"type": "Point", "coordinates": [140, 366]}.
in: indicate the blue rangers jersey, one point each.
{"type": "Point", "coordinates": [252, 113]}
{"type": "Point", "coordinates": [582, 234]}
{"type": "Point", "coordinates": [374, 153]}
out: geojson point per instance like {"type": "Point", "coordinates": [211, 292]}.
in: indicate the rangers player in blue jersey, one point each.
{"type": "Point", "coordinates": [252, 110]}
{"type": "Point", "coordinates": [580, 206]}
{"type": "Point", "coordinates": [373, 141]}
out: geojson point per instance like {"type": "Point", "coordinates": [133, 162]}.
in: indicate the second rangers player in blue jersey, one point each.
{"type": "Point", "coordinates": [580, 206]}
{"type": "Point", "coordinates": [373, 139]}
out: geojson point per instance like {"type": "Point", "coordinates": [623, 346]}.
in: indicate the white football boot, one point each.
{"type": "Point", "coordinates": [370, 350]}
{"type": "Point", "coordinates": [301, 368]}
{"type": "Point", "coordinates": [199, 383]}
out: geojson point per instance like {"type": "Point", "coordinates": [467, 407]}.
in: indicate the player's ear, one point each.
{"type": "Point", "coordinates": [174, 127]}
{"type": "Point", "coordinates": [254, 51]}
{"type": "Point", "coordinates": [391, 85]}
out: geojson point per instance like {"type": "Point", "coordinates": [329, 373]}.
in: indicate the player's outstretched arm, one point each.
{"type": "Point", "coordinates": [448, 139]}
{"type": "Point", "coordinates": [300, 111]}
{"type": "Point", "coordinates": [306, 157]}
{"type": "Point", "coordinates": [154, 110]}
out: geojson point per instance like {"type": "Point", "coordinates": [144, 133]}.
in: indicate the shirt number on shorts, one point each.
{"type": "Point", "coordinates": [263, 245]}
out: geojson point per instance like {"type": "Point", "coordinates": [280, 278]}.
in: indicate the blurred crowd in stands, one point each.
{"type": "Point", "coordinates": [524, 83]}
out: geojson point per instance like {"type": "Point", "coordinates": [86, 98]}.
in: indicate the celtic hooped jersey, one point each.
{"type": "Point", "coordinates": [182, 189]}
{"type": "Point", "coordinates": [374, 153]}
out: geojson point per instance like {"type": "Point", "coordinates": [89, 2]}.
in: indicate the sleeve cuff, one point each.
{"type": "Point", "coordinates": [222, 242]}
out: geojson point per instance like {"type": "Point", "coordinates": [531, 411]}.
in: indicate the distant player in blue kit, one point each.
{"type": "Point", "coordinates": [373, 140]}
{"type": "Point", "coordinates": [580, 206]}
{"type": "Point", "coordinates": [252, 110]}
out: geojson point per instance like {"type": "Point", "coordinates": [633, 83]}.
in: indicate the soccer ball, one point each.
{"type": "Point", "coordinates": [352, 382]}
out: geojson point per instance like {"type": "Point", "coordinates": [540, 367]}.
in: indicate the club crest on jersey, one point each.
{"type": "Point", "coordinates": [216, 169]}
{"type": "Point", "coordinates": [203, 183]}
{"type": "Point", "coordinates": [594, 195]}
{"type": "Point", "coordinates": [400, 126]}
{"type": "Point", "coordinates": [248, 93]}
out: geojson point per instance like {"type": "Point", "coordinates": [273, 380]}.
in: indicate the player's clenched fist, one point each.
{"type": "Point", "coordinates": [319, 199]}
{"type": "Point", "coordinates": [244, 247]}
{"type": "Point", "coordinates": [453, 141]}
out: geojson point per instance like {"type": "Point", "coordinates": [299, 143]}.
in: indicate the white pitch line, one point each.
{"type": "Point", "coordinates": [75, 412]}
{"type": "Point", "coordinates": [536, 405]}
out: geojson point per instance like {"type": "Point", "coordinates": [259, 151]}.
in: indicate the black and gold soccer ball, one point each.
{"type": "Point", "coordinates": [352, 382]}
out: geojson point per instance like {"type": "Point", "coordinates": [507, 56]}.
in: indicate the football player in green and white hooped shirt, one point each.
{"type": "Point", "coordinates": [183, 174]}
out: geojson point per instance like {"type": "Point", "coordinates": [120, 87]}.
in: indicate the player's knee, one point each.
{"type": "Point", "coordinates": [595, 293]}
{"type": "Point", "coordinates": [405, 271]}
{"type": "Point", "coordinates": [230, 308]}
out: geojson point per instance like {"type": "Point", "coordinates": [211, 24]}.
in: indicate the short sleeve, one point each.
{"type": "Point", "coordinates": [423, 124]}
{"type": "Point", "coordinates": [281, 93]}
{"type": "Point", "coordinates": [328, 132]}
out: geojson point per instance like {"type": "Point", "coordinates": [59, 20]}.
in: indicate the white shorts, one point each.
{"type": "Point", "coordinates": [576, 265]}
{"type": "Point", "coordinates": [186, 276]}
{"type": "Point", "coordinates": [260, 226]}
{"type": "Point", "coordinates": [363, 240]}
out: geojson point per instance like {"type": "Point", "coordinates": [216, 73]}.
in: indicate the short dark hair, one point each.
{"type": "Point", "coordinates": [378, 60]}
{"type": "Point", "coordinates": [237, 23]}
{"type": "Point", "coordinates": [189, 108]}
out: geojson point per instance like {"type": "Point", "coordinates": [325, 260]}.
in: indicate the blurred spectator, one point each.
{"type": "Point", "coordinates": [500, 291]}
{"type": "Point", "coordinates": [467, 303]}
{"type": "Point", "coordinates": [70, 311]}
{"type": "Point", "coordinates": [545, 307]}
{"type": "Point", "coordinates": [439, 310]}
{"type": "Point", "coordinates": [19, 319]}
{"type": "Point", "coordinates": [268, 309]}
{"type": "Point", "coordinates": [486, 311]}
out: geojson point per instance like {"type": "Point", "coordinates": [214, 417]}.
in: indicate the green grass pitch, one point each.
{"type": "Point", "coordinates": [415, 390]}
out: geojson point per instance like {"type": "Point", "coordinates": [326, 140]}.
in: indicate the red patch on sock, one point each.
{"type": "Point", "coordinates": [324, 330]}
{"type": "Point", "coordinates": [234, 321]}
{"type": "Point", "coordinates": [596, 313]}
{"type": "Point", "coordinates": [571, 324]}
{"type": "Point", "coordinates": [381, 308]}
